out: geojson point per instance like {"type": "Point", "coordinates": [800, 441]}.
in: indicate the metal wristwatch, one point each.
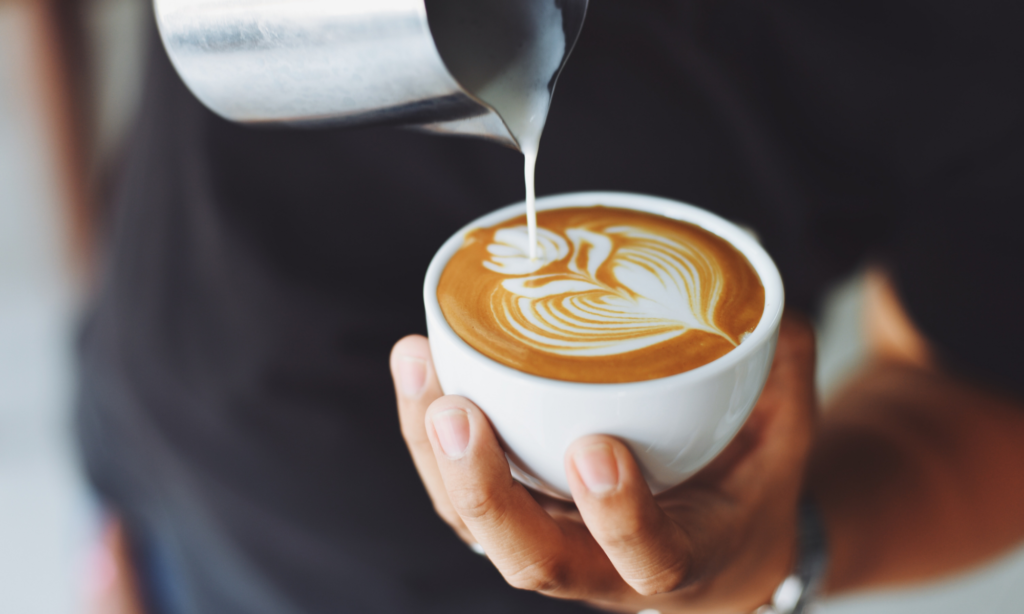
{"type": "Point", "coordinates": [798, 591]}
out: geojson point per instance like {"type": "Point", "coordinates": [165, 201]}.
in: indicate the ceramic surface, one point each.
{"type": "Point", "coordinates": [674, 425]}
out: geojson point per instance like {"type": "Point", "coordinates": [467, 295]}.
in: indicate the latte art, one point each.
{"type": "Point", "coordinates": [608, 287]}
{"type": "Point", "coordinates": [625, 289]}
{"type": "Point", "coordinates": [510, 251]}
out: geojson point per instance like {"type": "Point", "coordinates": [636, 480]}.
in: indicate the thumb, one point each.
{"type": "Point", "coordinates": [648, 550]}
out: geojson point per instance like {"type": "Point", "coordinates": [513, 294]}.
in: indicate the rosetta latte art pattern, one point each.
{"type": "Point", "coordinates": [619, 289]}
{"type": "Point", "coordinates": [613, 296]}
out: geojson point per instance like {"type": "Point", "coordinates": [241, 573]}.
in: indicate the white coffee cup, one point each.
{"type": "Point", "coordinates": [674, 425]}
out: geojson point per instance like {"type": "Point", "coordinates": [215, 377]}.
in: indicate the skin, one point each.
{"type": "Point", "coordinates": [917, 473]}
{"type": "Point", "coordinates": [721, 542]}
{"type": "Point", "coordinates": [57, 48]}
{"type": "Point", "coordinates": [111, 585]}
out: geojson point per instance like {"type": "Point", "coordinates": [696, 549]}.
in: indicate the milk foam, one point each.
{"type": "Point", "coordinates": [625, 289]}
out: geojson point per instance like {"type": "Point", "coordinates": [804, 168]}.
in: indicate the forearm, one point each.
{"type": "Point", "coordinates": [918, 475]}
{"type": "Point", "coordinates": [58, 54]}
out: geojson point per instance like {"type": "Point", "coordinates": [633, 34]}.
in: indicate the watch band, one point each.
{"type": "Point", "coordinates": [798, 591]}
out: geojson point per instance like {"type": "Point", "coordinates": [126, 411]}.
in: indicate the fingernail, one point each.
{"type": "Point", "coordinates": [597, 467]}
{"type": "Point", "coordinates": [412, 375]}
{"type": "Point", "coordinates": [452, 428]}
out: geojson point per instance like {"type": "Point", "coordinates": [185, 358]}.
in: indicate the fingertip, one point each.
{"type": "Point", "coordinates": [411, 346]}
{"type": "Point", "coordinates": [588, 440]}
{"type": "Point", "coordinates": [452, 401]}
{"type": "Point", "coordinates": [599, 466]}
{"type": "Point", "coordinates": [456, 424]}
{"type": "Point", "coordinates": [412, 369]}
{"type": "Point", "coordinates": [451, 431]}
{"type": "Point", "coordinates": [411, 374]}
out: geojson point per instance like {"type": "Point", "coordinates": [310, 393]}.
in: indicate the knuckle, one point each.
{"type": "Point", "coordinates": [627, 533]}
{"type": "Point", "coordinates": [547, 576]}
{"type": "Point", "coordinates": [474, 502]}
{"type": "Point", "coordinates": [663, 581]}
{"type": "Point", "coordinates": [407, 344]}
{"type": "Point", "coordinates": [414, 433]}
{"type": "Point", "coordinates": [639, 531]}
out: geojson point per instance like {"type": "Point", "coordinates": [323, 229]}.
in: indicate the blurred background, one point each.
{"type": "Point", "coordinates": [49, 524]}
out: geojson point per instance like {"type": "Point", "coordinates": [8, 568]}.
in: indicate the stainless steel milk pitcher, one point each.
{"type": "Point", "coordinates": [348, 62]}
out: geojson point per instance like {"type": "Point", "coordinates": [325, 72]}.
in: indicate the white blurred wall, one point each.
{"type": "Point", "coordinates": [44, 513]}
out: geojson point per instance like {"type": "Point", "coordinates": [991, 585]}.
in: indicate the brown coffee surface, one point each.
{"type": "Point", "coordinates": [615, 295]}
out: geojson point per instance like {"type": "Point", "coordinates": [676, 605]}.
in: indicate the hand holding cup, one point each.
{"type": "Point", "coordinates": [721, 541]}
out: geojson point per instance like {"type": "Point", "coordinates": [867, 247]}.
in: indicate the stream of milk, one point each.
{"type": "Point", "coordinates": [508, 54]}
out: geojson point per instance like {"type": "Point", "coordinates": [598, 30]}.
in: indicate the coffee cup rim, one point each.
{"type": "Point", "coordinates": [741, 239]}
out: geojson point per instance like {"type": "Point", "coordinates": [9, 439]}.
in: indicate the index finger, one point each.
{"type": "Point", "coordinates": [530, 549]}
{"type": "Point", "coordinates": [650, 551]}
{"type": "Point", "coordinates": [416, 387]}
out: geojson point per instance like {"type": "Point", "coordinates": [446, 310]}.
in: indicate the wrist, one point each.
{"type": "Point", "coordinates": [801, 588]}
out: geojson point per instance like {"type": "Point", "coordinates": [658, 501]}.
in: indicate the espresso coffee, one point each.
{"type": "Point", "coordinates": [614, 295]}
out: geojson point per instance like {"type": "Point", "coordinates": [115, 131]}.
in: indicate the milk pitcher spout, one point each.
{"type": "Point", "coordinates": [448, 66]}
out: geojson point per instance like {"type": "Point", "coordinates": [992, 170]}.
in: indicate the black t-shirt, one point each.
{"type": "Point", "coordinates": [236, 401]}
